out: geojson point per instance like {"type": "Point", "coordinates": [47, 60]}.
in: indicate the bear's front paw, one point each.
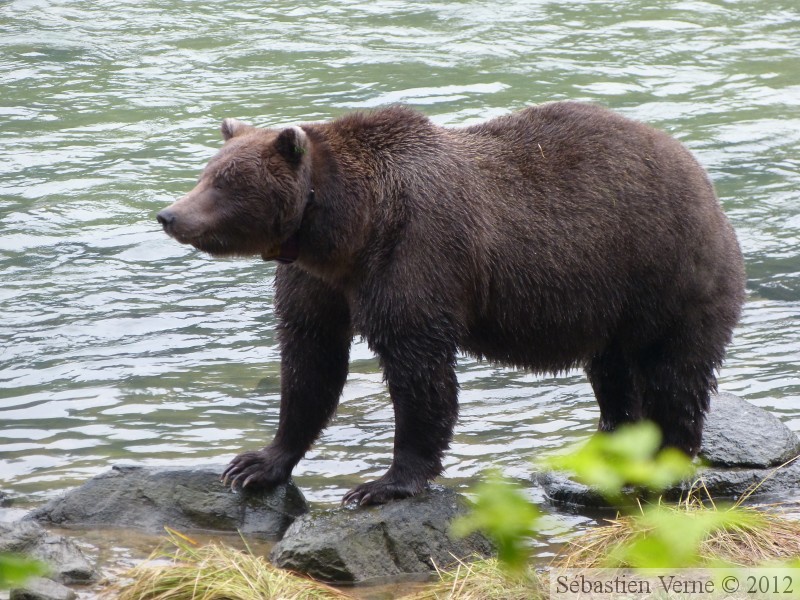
{"type": "Point", "coordinates": [381, 491]}
{"type": "Point", "coordinates": [262, 469]}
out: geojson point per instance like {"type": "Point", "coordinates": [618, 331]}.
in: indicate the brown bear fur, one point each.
{"type": "Point", "coordinates": [560, 236]}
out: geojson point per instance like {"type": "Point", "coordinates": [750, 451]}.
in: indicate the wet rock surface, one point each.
{"type": "Point", "coordinates": [739, 434]}
{"type": "Point", "coordinates": [38, 588]}
{"type": "Point", "coordinates": [742, 445]}
{"type": "Point", "coordinates": [183, 498]}
{"type": "Point", "coordinates": [403, 537]}
{"type": "Point", "coordinates": [66, 561]}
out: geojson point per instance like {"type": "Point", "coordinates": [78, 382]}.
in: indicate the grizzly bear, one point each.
{"type": "Point", "coordinates": [560, 236]}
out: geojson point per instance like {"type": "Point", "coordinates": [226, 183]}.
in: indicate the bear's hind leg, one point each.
{"type": "Point", "coordinates": [616, 388]}
{"type": "Point", "coordinates": [678, 376]}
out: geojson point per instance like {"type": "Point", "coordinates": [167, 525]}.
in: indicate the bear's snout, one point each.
{"type": "Point", "coordinates": [167, 218]}
{"type": "Point", "coordinates": [191, 216]}
{"type": "Point", "coordinates": [193, 220]}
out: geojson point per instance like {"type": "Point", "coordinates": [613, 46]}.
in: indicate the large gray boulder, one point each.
{"type": "Point", "coordinates": [403, 537]}
{"type": "Point", "coordinates": [66, 563]}
{"type": "Point", "coordinates": [739, 434]}
{"type": "Point", "coordinates": [183, 498]}
{"type": "Point", "coordinates": [742, 446]}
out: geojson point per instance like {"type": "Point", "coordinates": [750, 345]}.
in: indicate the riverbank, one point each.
{"type": "Point", "coordinates": [401, 541]}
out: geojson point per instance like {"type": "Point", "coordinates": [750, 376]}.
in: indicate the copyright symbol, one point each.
{"type": "Point", "coordinates": [730, 584]}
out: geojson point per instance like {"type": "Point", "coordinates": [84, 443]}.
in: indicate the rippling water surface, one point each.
{"type": "Point", "coordinates": [117, 344]}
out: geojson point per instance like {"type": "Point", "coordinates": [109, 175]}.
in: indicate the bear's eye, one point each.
{"type": "Point", "coordinates": [222, 179]}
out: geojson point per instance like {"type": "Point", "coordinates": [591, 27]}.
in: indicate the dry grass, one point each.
{"type": "Point", "coordinates": [484, 579]}
{"type": "Point", "coordinates": [755, 535]}
{"type": "Point", "coordinates": [777, 538]}
{"type": "Point", "coordinates": [188, 571]}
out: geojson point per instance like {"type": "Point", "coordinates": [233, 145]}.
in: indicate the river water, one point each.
{"type": "Point", "coordinates": [119, 345]}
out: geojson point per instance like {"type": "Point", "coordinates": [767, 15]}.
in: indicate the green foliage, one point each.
{"type": "Point", "coordinates": [14, 570]}
{"type": "Point", "coordinates": [689, 534]}
{"type": "Point", "coordinates": [506, 515]}
{"type": "Point", "coordinates": [630, 456]}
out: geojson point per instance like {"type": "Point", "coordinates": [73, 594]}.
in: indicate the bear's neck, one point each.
{"type": "Point", "coordinates": [356, 166]}
{"type": "Point", "coordinates": [336, 219]}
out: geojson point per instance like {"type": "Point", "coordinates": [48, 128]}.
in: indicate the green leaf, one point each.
{"type": "Point", "coordinates": [506, 516]}
{"type": "Point", "coordinates": [14, 570]}
{"type": "Point", "coordinates": [672, 537]}
{"type": "Point", "coordinates": [630, 456]}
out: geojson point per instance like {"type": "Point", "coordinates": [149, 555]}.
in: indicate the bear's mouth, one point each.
{"type": "Point", "coordinates": [285, 253]}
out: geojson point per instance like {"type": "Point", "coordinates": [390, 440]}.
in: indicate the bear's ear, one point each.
{"type": "Point", "coordinates": [233, 127]}
{"type": "Point", "coordinates": [292, 144]}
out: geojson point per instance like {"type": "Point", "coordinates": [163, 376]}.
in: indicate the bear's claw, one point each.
{"type": "Point", "coordinates": [261, 469]}
{"type": "Point", "coordinates": [380, 491]}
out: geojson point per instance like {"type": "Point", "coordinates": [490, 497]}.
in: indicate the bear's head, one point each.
{"type": "Point", "coordinates": [251, 196]}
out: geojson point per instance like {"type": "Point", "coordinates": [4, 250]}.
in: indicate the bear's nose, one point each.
{"type": "Point", "coordinates": [166, 217]}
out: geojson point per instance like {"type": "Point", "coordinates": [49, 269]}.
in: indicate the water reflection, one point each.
{"type": "Point", "coordinates": [120, 345]}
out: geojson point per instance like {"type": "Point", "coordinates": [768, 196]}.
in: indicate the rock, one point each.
{"type": "Point", "coordinates": [182, 498]}
{"type": "Point", "coordinates": [4, 499]}
{"type": "Point", "coordinates": [561, 490]}
{"type": "Point", "coordinates": [38, 588]}
{"type": "Point", "coordinates": [742, 444]}
{"type": "Point", "coordinates": [739, 434]}
{"type": "Point", "coordinates": [732, 483]}
{"type": "Point", "coordinates": [66, 561]}
{"type": "Point", "coordinates": [402, 537]}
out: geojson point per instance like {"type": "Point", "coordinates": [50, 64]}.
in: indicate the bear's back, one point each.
{"type": "Point", "coordinates": [613, 215]}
